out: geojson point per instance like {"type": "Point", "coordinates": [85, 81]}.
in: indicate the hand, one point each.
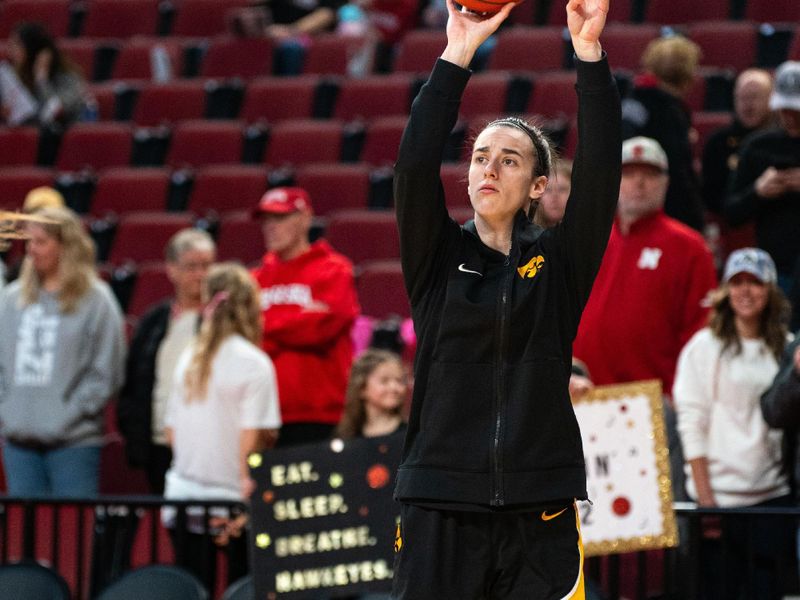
{"type": "Point", "coordinates": [42, 64]}
{"type": "Point", "coordinates": [231, 528]}
{"type": "Point", "coordinates": [579, 386]}
{"type": "Point", "coordinates": [279, 32]}
{"type": "Point", "coordinates": [466, 31]}
{"type": "Point", "coordinates": [586, 20]}
{"type": "Point", "coordinates": [771, 183]}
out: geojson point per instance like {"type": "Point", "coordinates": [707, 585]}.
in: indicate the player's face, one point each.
{"type": "Point", "coordinates": [642, 191]}
{"type": "Point", "coordinates": [43, 250]}
{"type": "Point", "coordinates": [748, 296]}
{"type": "Point", "coordinates": [501, 177]}
{"type": "Point", "coordinates": [385, 388]}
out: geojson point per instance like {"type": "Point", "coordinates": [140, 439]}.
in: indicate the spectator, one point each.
{"type": "Point", "coordinates": [42, 197]}
{"type": "Point", "coordinates": [42, 86]}
{"type": "Point", "coordinates": [223, 407]}
{"type": "Point", "coordinates": [721, 152]}
{"type": "Point", "coordinates": [161, 335]}
{"type": "Point", "coordinates": [309, 301]}
{"type": "Point", "coordinates": [376, 395]}
{"type": "Point", "coordinates": [553, 203]}
{"type": "Point", "coordinates": [780, 405]}
{"type": "Point", "coordinates": [52, 400]}
{"type": "Point", "coordinates": [655, 108]}
{"type": "Point", "coordinates": [732, 458]}
{"type": "Point", "coordinates": [766, 184]}
{"type": "Point", "coordinates": [652, 262]}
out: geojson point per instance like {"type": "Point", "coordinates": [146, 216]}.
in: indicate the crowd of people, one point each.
{"type": "Point", "coordinates": [611, 248]}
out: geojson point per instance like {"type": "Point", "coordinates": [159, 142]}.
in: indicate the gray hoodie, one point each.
{"type": "Point", "coordinates": [57, 370]}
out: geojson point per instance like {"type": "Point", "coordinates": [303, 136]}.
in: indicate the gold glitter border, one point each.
{"type": "Point", "coordinates": [651, 389]}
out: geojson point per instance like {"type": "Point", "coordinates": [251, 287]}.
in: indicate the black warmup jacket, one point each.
{"type": "Point", "coordinates": [491, 421]}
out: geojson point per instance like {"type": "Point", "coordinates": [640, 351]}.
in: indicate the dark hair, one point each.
{"type": "Point", "coordinates": [35, 38]}
{"type": "Point", "coordinates": [542, 146]}
{"type": "Point", "coordinates": [773, 326]}
{"type": "Point", "coordinates": [355, 415]}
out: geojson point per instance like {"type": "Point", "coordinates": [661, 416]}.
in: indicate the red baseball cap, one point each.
{"type": "Point", "coordinates": [282, 201]}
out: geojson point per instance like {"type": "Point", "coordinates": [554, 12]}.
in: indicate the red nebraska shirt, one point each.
{"type": "Point", "coordinates": [647, 301]}
{"type": "Point", "coordinates": [309, 306]}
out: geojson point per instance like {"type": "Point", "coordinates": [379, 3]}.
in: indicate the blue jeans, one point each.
{"type": "Point", "coordinates": [71, 471]}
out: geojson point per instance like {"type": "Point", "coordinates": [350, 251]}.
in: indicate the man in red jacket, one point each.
{"type": "Point", "coordinates": [309, 301]}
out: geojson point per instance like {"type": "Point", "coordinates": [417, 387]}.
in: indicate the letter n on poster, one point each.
{"type": "Point", "coordinates": [627, 470]}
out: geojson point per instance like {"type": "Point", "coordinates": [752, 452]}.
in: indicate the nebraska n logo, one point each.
{"type": "Point", "coordinates": [649, 258]}
{"type": "Point", "coordinates": [529, 270]}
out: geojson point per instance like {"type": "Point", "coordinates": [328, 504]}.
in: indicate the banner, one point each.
{"type": "Point", "coordinates": [627, 470]}
{"type": "Point", "coordinates": [324, 521]}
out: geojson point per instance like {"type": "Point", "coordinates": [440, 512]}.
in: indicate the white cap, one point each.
{"type": "Point", "coordinates": [786, 93]}
{"type": "Point", "coordinates": [644, 151]}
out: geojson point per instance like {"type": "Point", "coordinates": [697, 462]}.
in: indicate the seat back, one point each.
{"type": "Point", "coordinates": [156, 582]}
{"type": "Point", "coordinates": [32, 581]}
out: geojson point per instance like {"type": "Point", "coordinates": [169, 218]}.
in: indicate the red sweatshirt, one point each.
{"type": "Point", "coordinates": [647, 301]}
{"type": "Point", "coordinates": [309, 306]}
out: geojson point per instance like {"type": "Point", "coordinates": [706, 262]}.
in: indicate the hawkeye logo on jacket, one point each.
{"type": "Point", "coordinates": [531, 268]}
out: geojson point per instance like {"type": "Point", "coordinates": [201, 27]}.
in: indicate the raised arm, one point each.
{"type": "Point", "coordinates": [419, 198]}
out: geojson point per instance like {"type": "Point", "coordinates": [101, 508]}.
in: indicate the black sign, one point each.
{"type": "Point", "coordinates": [323, 518]}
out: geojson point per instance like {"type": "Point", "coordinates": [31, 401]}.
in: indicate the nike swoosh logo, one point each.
{"type": "Point", "coordinates": [546, 517]}
{"type": "Point", "coordinates": [463, 269]}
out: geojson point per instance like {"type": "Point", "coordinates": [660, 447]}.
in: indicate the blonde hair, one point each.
{"type": "Point", "coordinates": [354, 416]}
{"type": "Point", "coordinates": [673, 60]}
{"type": "Point", "coordinates": [233, 308]}
{"type": "Point", "coordinates": [76, 268]}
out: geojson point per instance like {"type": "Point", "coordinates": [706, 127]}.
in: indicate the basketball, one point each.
{"type": "Point", "coordinates": [484, 6]}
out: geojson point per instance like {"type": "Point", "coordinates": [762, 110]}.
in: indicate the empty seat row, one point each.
{"type": "Point", "coordinates": [121, 18]}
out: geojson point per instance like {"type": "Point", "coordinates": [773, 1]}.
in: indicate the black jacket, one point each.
{"type": "Point", "coordinates": [491, 421]}
{"type": "Point", "coordinates": [135, 405]}
{"type": "Point", "coordinates": [781, 407]}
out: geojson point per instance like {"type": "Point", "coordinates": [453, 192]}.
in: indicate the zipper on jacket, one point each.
{"type": "Point", "coordinates": [497, 455]}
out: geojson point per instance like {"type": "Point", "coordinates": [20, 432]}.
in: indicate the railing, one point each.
{"type": "Point", "coordinates": [93, 541]}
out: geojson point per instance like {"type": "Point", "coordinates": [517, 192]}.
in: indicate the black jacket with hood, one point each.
{"type": "Point", "coordinates": [491, 422]}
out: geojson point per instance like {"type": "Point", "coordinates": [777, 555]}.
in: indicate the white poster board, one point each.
{"type": "Point", "coordinates": [627, 470]}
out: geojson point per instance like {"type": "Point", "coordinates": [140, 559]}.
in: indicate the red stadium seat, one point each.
{"type": "Point", "coordinates": [199, 143]}
{"type": "Point", "coordinates": [238, 57]}
{"type": "Point", "coordinates": [53, 14]}
{"type": "Point", "coordinates": [170, 102]}
{"type": "Point", "coordinates": [106, 97]}
{"type": "Point", "coordinates": [717, 39]}
{"type": "Point", "coordinates": [382, 139]}
{"type": "Point", "coordinates": [240, 238]}
{"type": "Point", "coordinates": [375, 96]}
{"type": "Point", "coordinates": [330, 53]}
{"type": "Point", "coordinates": [706, 123]}
{"type": "Point", "coordinates": [674, 12]}
{"type": "Point", "coordinates": [226, 188]}
{"type": "Point", "coordinates": [16, 182]}
{"type": "Point", "coordinates": [152, 285]}
{"type": "Point", "coordinates": [135, 61]}
{"type": "Point", "coordinates": [381, 289]}
{"type": "Point", "coordinates": [203, 18]}
{"type": "Point", "coordinates": [18, 146]}
{"type": "Point", "coordinates": [485, 93]}
{"type": "Point", "coordinates": [304, 141]}
{"type": "Point", "coordinates": [363, 235]}
{"type": "Point", "coordinates": [81, 52]}
{"type": "Point", "coordinates": [794, 49]}
{"type": "Point", "coordinates": [124, 189]}
{"type": "Point", "coordinates": [773, 11]}
{"type": "Point", "coordinates": [553, 95]}
{"type": "Point", "coordinates": [121, 18]}
{"type": "Point", "coordinates": [454, 182]}
{"type": "Point", "coordinates": [278, 98]}
{"type": "Point", "coordinates": [96, 145]}
{"type": "Point", "coordinates": [513, 50]}
{"type": "Point", "coordinates": [335, 186]}
{"type": "Point", "coordinates": [418, 51]}
{"type": "Point", "coordinates": [627, 42]}
{"type": "Point", "coordinates": [142, 236]}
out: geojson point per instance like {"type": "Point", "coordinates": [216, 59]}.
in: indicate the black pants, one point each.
{"type": "Point", "coordinates": [294, 434]}
{"type": "Point", "coordinates": [488, 555]}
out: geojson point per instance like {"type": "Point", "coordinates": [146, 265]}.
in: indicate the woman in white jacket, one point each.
{"type": "Point", "coordinates": [732, 457]}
